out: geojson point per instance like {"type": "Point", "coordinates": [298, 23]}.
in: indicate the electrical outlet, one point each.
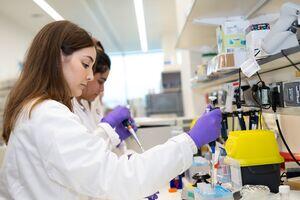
{"type": "Point", "coordinates": [279, 87]}
{"type": "Point", "coordinates": [292, 93]}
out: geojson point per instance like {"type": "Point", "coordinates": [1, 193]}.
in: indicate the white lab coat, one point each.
{"type": "Point", "coordinates": [52, 156]}
{"type": "Point", "coordinates": [84, 113]}
{"type": "Point", "coordinates": [90, 120]}
{"type": "Point", "coordinates": [97, 109]}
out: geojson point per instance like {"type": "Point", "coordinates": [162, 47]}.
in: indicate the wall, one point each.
{"type": "Point", "coordinates": [199, 102]}
{"type": "Point", "coordinates": [14, 41]}
{"type": "Point", "coordinates": [183, 8]}
{"type": "Point", "coordinates": [193, 102]}
{"type": "Point", "coordinates": [185, 84]}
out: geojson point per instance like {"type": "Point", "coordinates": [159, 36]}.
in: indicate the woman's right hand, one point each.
{"type": "Point", "coordinates": [207, 128]}
{"type": "Point", "coordinates": [117, 116]}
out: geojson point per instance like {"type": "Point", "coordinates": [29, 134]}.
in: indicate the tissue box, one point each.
{"type": "Point", "coordinates": [231, 36]}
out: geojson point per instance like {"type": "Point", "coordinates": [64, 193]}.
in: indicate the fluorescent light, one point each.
{"type": "Point", "coordinates": [140, 18]}
{"type": "Point", "coordinates": [48, 9]}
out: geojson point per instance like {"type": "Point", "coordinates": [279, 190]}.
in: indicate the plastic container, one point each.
{"type": "Point", "coordinates": [187, 192]}
{"type": "Point", "coordinates": [253, 192]}
{"type": "Point", "coordinates": [205, 192]}
{"type": "Point", "coordinates": [257, 153]}
{"type": "Point", "coordinates": [200, 166]}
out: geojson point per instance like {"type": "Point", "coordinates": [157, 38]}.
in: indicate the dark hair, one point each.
{"type": "Point", "coordinates": [98, 45]}
{"type": "Point", "coordinates": [42, 77]}
{"type": "Point", "coordinates": [102, 63]}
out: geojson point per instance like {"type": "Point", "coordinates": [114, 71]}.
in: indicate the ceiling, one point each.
{"type": "Point", "coordinates": [113, 22]}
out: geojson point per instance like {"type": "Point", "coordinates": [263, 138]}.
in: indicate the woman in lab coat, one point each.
{"type": "Point", "coordinates": [88, 108]}
{"type": "Point", "coordinates": [49, 153]}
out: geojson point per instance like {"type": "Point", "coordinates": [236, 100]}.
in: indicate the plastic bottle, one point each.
{"type": "Point", "coordinates": [284, 191]}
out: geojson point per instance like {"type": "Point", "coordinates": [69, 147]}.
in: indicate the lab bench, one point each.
{"type": "Point", "coordinates": [165, 195]}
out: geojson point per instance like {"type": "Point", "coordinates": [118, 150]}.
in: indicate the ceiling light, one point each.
{"type": "Point", "coordinates": [140, 18]}
{"type": "Point", "coordinates": [48, 9]}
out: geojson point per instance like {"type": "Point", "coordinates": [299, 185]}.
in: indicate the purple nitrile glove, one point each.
{"type": "Point", "coordinates": [123, 131]}
{"type": "Point", "coordinates": [116, 116]}
{"type": "Point", "coordinates": [153, 196]}
{"type": "Point", "coordinates": [207, 128]}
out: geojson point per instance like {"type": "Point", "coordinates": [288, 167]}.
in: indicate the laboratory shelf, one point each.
{"type": "Point", "coordinates": [279, 61]}
{"type": "Point", "coordinates": [195, 33]}
{"type": "Point", "coordinates": [216, 80]}
{"type": "Point", "coordinates": [268, 64]}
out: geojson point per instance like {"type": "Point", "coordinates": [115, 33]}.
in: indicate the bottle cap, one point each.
{"type": "Point", "coordinates": [283, 189]}
{"type": "Point", "coordinates": [172, 190]}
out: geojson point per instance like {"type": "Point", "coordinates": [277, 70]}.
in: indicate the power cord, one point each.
{"type": "Point", "coordinates": [274, 102]}
{"type": "Point", "coordinates": [259, 77]}
{"type": "Point", "coordinates": [284, 141]}
{"type": "Point", "coordinates": [239, 104]}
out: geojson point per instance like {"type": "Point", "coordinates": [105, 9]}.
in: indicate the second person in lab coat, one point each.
{"type": "Point", "coordinates": [85, 105]}
{"type": "Point", "coordinates": [51, 155]}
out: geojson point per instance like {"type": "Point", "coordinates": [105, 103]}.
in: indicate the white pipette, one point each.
{"type": "Point", "coordinates": [127, 124]}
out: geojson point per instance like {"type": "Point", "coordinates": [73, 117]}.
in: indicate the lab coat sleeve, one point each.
{"type": "Point", "coordinates": [114, 143]}
{"type": "Point", "coordinates": [81, 162]}
{"type": "Point", "coordinates": [112, 136]}
{"type": "Point", "coordinates": [121, 149]}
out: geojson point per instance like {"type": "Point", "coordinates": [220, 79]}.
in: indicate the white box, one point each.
{"type": "Point", "coordinates": [254, 36]}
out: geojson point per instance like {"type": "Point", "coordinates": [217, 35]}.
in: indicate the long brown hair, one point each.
{"type": "Point", "coordinates": [42, 77]}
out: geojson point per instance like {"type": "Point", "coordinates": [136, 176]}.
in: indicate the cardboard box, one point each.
{"type": "Point", "coordinates": [294, 183]}
{"type": "Point", "coordinates": [231, 59]}
{"type": "Point", "coordinates": [226, 60]}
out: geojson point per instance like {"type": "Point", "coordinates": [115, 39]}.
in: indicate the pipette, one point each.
{"type": "Point", "coordinates": [212, 147]}
{"type": "Point", "coordinates": [127, 124]}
